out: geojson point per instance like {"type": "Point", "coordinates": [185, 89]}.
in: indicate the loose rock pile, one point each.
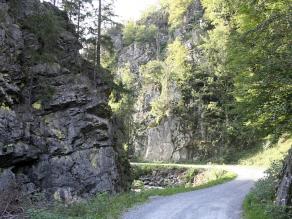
{"type": "Point", "coordinates": [164, 178]}
{"type": "Point", "coordinates": [159, 178]}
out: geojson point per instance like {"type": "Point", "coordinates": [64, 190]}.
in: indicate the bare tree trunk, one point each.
{"type": "Point", "coordinates": [95, 65]}
{"type": "Point", "coordinates": [78, 19]}
{"type": "Point", "coordinates": [157, 46]}
{"type": "Point", "coordinates": [98, 43]}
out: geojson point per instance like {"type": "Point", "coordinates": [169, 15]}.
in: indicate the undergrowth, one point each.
{"type": "Point", "coordinates": [259, 203]}
{"type": "Point", "coordinates": [264, 157]}
{"type": "Point", "coordinates": [105, 206]}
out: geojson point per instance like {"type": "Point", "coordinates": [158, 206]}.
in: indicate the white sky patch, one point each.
{"type": "Point", "coordinates": [132, 9]}
{"type": "Point", "coordinates": [127, 9]}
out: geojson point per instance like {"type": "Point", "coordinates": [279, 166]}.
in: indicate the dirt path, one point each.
{"type": "Point", "coordinates": [218, 202]}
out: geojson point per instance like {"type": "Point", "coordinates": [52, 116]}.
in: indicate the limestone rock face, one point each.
{"type": "Point", "coordinates": [284, 191]}
{"type": "Point", "coordinates": [169, 140]}
{"type": "Point", "coordinates": [55, 129]}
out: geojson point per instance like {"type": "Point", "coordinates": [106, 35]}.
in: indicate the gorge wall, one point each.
{"type": "Point", "coordinates": [186, 132]}
{"type": "Point", "coordinates": [55, 128]}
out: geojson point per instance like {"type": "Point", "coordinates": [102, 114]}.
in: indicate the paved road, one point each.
{"type": "Point", "coordinates": [218, 202]}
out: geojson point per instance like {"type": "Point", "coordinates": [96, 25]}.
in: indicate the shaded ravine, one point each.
{"type": "Point", "coordinates": [218, 202]}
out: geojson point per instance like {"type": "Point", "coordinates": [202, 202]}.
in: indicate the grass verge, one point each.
{"type": "Point", "coordinates": [259, 203]}
{"type": "Point", "coordinates": [265, 157]}
{"type": "Point", "coordinates": [252, 209]}
{"type": "Point", "coordinates": [111, 207]}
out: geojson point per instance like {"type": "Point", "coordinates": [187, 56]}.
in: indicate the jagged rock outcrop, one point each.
{"type": "Point", "coordinates": [55, 129]}
{"type": "Point", "coordinates": [284, 190]}
{"type": "Point", "coordinates": [171, 139]}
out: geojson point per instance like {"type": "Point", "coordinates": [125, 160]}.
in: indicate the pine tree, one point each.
{"type": "Point", "coordinates": [78, 11]}
{"type": "Point", "coordinates": [102, 16]}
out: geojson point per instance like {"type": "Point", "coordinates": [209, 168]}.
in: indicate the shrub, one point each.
{"type": "Point", "coordinates": [190, 174]}
{"type": "Point", "coordinates": [47, 27]}
{"type": "Point", "coordinates": [176, 9]}
{"type": "Point", "coordinates": [152, 72]}
{"type": "Point", "coordinates": [149, 12]}
{"type": "Point", "coordinates": [11, 199]}
{"type": "Point", "coordinates": [177, 60]}
{"type": "Point", "coordinates": [138, 184]}
{"type": "Point", "coordinates": [260, 201]}
{"type": "Point", "coordinates": [140, 33]}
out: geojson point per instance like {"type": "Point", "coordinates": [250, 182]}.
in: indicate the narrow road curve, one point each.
{"type": "Point", "coordinates": [218, 202]}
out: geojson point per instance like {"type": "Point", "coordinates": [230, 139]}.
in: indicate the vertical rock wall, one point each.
{"type": "Point", "coordinates": [55, 131]}
{"type": "Point", "coordinates": [171, 139]}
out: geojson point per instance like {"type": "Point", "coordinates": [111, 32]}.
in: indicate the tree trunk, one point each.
{"type": "Point", "coordinates": [94, 60]}
{"type": "Point", "coordinates": [98, 45]}
{"type": "Point", "coordinates": [78, 19]}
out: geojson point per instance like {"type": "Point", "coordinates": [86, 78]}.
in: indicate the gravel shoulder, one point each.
{"type": "Point", "coordinates": [218, 202]}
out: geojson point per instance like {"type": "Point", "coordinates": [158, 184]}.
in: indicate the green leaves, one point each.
{"type": "Point", "coordinates": [176, 9]}
{"type": "Point", "coordinates": [46, 26]}
{"type": "Point", "coordinates": [177, 60]}
{"type": "Point", "coordinates": [259, 55]}
{"type": "Point", "coordinates": [152, 72]}
{"type": "Point", "coordinates": [134, 32]}
{"type": "Point", "coordinates": [255, 52]}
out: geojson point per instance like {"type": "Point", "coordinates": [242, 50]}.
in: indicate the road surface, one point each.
{"type": "Point", "coordinates": [219, 202]}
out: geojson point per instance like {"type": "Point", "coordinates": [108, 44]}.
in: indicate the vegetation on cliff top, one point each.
{"type": "Point", "coordinates": [177, 9]}
{"type": "Point", "coordinates": [140, 33]}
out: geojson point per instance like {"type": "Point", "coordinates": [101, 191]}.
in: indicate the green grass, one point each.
{"type": "Point", "coordinates": [259, 203]}
{"type": "Point", "coordinates": [265, 157]}
{"type": "Point", "coordinates": [111, 207]}
{"type": "Point", "coordinates": [253, 210]}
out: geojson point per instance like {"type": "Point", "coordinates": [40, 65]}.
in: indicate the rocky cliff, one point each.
{"type": "Point", "coordinates": [55, 129]}
{"type": "Point", "coordinates": [178, 136]}
{"type": "Point", "coordinates": [284, 191]}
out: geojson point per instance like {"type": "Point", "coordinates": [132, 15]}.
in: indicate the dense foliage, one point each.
{"type": "Point", "coordinates": [134, 32]}
{"type": "Point", "coordinates": [263, 66]}
{"type": "Point", "coordinates": [257, 38]}
{"type": "Point", "coordinates": [233, 89]}
{"type": "Point", "coordinates": [176, 9]}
